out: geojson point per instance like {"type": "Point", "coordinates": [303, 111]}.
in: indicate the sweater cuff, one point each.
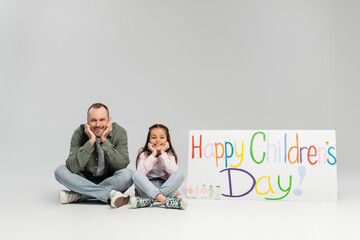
{"type": "Point", "coordinates": [151, 158]}
{"type": "Point", "coordinates": [106, 145]}
{"type": "Point", "coordinates": [164, 156]}
{"type": "Point", "coordinates": [88, 148]}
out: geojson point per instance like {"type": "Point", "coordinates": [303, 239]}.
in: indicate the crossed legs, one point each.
{"type": "Point", "coordinates": [120, 181]}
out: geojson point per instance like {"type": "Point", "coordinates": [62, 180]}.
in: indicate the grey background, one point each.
{"type": "Point", "coordinates": [186, 64]}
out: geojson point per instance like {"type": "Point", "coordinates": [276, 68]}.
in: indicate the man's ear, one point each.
{"type": "Point", "coordinates": [109, 119]}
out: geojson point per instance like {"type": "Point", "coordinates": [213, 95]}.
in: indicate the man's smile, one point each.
{"type": "Point", "coordinates": [98, 129]}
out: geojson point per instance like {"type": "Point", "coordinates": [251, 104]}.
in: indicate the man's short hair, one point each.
{"type": "Point", "coordinates": [96, 106]}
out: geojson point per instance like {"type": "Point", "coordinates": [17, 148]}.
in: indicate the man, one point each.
{"type": "Point", "coordinates": [96, 166]}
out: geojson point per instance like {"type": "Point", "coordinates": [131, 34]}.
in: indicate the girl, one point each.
{"type": "Point", "coordinates": [157, 176]}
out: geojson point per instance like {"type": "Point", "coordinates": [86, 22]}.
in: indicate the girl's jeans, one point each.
{"type": "Point", "coordinates": [152, 187]}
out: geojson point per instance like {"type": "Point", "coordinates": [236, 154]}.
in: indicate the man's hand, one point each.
{"type": "Point", "coordinates": [166, 147]}
{"type": "Point", "coordinates": [152, 149]}
{"type": "Point", "coordinates": [91, 134]}
{"type": "Point", "coordinates": [106, 133]}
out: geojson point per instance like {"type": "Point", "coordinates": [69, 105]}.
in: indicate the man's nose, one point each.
{"type": "Point", "coordinates": [97, 124]}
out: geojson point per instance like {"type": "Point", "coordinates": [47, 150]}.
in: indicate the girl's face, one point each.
{"type": "Point", "coordinates": [158, 138]}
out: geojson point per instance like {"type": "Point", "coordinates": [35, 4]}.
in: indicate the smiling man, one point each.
{"type": "Point", "coordinates": [96, 166]}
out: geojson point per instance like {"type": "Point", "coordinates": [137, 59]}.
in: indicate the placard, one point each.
{"type": "Point", "coordinates": [262, 165]}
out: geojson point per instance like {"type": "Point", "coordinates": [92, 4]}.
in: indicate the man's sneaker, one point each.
{"type": "Point", "coordinates": [139, 202]}
{"type": "Point", "coordinates": [66, 197]}
{"type": "Point", "coordinates": [118, 199]}
{"type": "Point", "coordinates": [178, 203]}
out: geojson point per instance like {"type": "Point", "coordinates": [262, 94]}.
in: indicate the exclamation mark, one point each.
{"type": "Point", "coordinates": [302, 173]}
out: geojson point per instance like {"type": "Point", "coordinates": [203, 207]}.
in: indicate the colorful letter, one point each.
{"type": "Point", "coordinates": [251, 147]}
{"type": "Point", "coordinates": [230, 183]}
{"type": "Point", "coordinates": [286, 190]}
{"type": "Point", "coordinates": [270, 188]}
{"type": "Point", "coordinates": [297, 151]}
{"type": "Point", "coordinates": [241, 155]}
{"type": "Point", "coordinates": [285, 150]}
{"type": "Point", "coordinates": [301, 153]}
{"type": "Point", "coordinates": [322, 154]}
{"type": "Point", "coordinates": [212, 150]}
{"type": "Point", "coordinates": [268, 149]}
{"type": "Point", "coordinates": [216, 152]}
{"type": "Point", "coordinates": [333, 163]}
{"type": "Point", "coordinates": [311, 155]}
{"type": "Point", "coordinates": [226, 155]}
{"type": "Point", "coordinates": [193, 146]}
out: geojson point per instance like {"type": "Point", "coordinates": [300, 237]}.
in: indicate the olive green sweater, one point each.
{"type": "Point", "coordinates": [83, 157]}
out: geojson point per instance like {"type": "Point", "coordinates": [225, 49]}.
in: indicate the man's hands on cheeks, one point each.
{"type": "Point", "coordinates": [107, 131]}
{"type": "Point", "coordinates": [91, 134]}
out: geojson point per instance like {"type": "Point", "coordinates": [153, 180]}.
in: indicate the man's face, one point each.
{"type": "Point", "coordinates": [98, 120]}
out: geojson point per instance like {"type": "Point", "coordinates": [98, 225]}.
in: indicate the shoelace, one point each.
{"type": "Point", "coordinates": [173, 203]}
{"type": "Point", "coordinates": [145, 202]}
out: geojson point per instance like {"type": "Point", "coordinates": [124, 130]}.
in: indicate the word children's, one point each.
{"type": "Point", "coordinates": [268, 165]}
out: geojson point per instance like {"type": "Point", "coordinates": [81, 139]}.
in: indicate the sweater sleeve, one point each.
{"type": "Point", "coordinates": [169, 162]}
{"type": "Point", "coordinates": [79, 154]}
{"type": "Point", "coordinates": [145, 164]}
{"type": "Point", "coordinates": [117, 152]}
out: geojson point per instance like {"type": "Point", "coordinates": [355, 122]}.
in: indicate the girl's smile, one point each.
{"type": "Point", "coordinates": [158, 138]}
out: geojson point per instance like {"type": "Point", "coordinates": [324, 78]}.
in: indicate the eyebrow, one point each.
{"type": "Point", "coordinates": [101, 119]}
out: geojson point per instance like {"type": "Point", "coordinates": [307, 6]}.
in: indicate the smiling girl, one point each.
{"type": "Point", "coordinates": [157, 176]}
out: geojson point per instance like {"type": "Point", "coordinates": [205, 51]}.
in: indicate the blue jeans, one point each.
{"type": "Point", "coordinates": [120, 181]}
{"type": "Point", "coordinates": [152, 187]}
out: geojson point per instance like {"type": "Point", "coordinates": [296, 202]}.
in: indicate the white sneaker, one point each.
{"type": "Point", "coordinates": [66, 197]}
{"type": "Point", "coordinates": [118, 199]}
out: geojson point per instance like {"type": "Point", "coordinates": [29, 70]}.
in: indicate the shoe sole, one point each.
{"type": "Point", "coordinates": [121, 201]}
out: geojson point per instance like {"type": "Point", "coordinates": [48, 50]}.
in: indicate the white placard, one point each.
{"type": "Point", "coordinates": [262, 165]}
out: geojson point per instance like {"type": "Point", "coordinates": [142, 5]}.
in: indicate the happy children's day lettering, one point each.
{"type": "Point", "coordinates": [229, 155]}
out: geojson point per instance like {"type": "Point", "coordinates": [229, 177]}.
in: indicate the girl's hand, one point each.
{"type": "Point", "coordinates": [166, 147]}
{"type": "Point", "coordinates": [152, 149]}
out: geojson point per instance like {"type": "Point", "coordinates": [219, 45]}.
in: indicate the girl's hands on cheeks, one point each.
{"type": "Point", "coordinates": [152, 149]}
{"type": "Point", "coordinates": [166, 147]}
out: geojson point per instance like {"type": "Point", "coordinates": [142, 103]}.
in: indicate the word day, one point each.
{"type": "Point", "coordinates": [264, 182]}
{"type": "Point", "coordinates": [291, 154]}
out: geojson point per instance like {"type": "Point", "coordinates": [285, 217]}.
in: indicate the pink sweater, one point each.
{"type": "Point", "coordinates": [158, 167]}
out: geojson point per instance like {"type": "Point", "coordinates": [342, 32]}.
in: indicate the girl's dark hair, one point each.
{"type": "Point", "coordinates": [146, 150]}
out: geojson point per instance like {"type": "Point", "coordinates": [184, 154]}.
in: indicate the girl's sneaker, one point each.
{"type": "Point", "coordinates": [178, 203]}
{"type": "Point", "coordinates": [139, 202]}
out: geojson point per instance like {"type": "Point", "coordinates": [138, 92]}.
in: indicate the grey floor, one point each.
{"type": "Point", "coordinates": [32, 211]}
